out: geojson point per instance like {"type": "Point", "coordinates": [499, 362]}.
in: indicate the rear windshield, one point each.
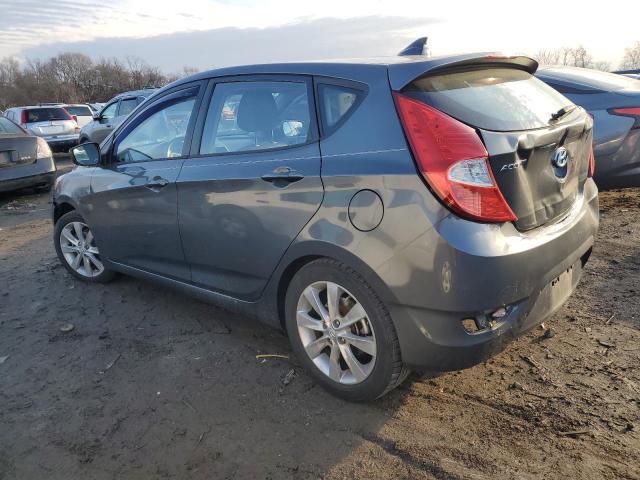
{"type": "Point", "coordinates": [46, 114]}
{"type": "Point", "coordinates": [592, 78]}
{"type": "Point", "coordinates": [79, 111]}
{"type": "Point", "coordinates": [501, 99]}
{"type": "Point", "coordinates": [7, 126]}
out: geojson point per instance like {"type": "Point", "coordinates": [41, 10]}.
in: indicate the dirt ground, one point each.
{"type": "Point", "coordinates": [152, 384]}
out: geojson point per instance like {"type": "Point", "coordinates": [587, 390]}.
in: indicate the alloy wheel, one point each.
{"type": "Point", "coordinates": [336, 332]}
{"type": "Point", "coordinates": [79, 249]}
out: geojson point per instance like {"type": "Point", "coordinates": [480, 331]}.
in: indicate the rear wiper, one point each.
{"type": "Point", "coordinates": [562, 112]}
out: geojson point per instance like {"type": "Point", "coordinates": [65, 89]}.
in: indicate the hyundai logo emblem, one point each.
{"type": "Point", "coordinates": [560, 157]}
{"type": "Point", "coordinates": [560, 162]}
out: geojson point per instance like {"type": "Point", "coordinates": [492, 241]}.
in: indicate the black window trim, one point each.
{"type": "Point", "coordinates": [325, 130]}
{"type": "Point", "coordinates": [140, 116]}
{"type": "Point", "coordinates": [313, 137]}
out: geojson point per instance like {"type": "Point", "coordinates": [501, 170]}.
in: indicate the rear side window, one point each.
{"type": "Point", "coordinates": [46, 114]}
{"type": "Point", "coordinates": [79, 111]}
{"type": "Point", "coordinates": [500, 99]}
{"type": "Point", "coordinates": [7, 126]}
{"type": "Point", "coordinates": [336, 102]}
{"type": "Point", "coordinates": [252, 116]}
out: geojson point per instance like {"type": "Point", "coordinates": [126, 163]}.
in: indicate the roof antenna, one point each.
{"type": "Point", "coordinates": [417, 47]}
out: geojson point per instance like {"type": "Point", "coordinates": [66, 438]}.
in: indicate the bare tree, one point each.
{"type": "Point", "coordinates": [74, 77]}
{"type": "Point", "coordinates": [631, 59]}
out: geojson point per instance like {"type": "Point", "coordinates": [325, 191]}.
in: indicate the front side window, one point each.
{"type": "Point", "coordinates": [159, 136]}
{"type": "Point", "coordinates": [110, 111]}
{"type": "Point", "coordinates": [252, 116]}
{"type": "Point", "coordinates": [127, 106]}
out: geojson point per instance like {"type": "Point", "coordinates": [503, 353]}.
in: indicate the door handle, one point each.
{"type": "Point", "coordinates": [282, 176]}
{"type": "Point", "coordinates": [157, 183]}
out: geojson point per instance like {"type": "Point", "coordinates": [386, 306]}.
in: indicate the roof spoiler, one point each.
{"type": "Point", "coordinates": [403, 73]}
{"type": "Point", "coordinates": [417, 47]}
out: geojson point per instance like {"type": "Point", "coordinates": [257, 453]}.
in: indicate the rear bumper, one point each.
{"type": "Point", "coordinates": [41, 180]}
{"type": "Point", "coordinates": [62, 142]}
{"type": "Point", "coordinates": [480, 268]}
{"type": "Point", "coordinates": [39, 173]}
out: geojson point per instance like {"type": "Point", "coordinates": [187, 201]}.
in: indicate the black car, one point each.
{"type": "Point", "coordinates": [25, 159]}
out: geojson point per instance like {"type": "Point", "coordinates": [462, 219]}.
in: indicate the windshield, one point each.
{"type": "Point", "coordinates": [500, 99]}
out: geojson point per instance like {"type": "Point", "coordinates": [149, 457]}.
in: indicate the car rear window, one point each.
{"type": "Point", "coordinates": [46, 114]}
{"type": "Point", "coordinates": [7, 126]}
{"type": "Point", "coordinates": [500, 99]}
{"type": "Point", "coordinates": [80, 111]}
{"type": "Point", "coordinates": [336, 102]}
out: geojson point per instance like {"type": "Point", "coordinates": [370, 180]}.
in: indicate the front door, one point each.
{"type": "Point", "coordinates": [133, 206]}
{"type": "Point", "coordinates": [251, 184]}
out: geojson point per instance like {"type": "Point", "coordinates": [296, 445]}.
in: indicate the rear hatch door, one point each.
{"type": "Point", "coordinates": [538, 141]}
{"type": "Point", "coordinates": [49, 121]}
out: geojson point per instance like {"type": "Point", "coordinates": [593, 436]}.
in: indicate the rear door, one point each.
{"type": "Point", "coordinates": [538, 141]}
{"type": "Point", "coordinates": [133, 201]}
{"type": "Point", "coordinates": [252, 182]}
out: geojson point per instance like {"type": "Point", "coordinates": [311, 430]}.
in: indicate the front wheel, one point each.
{"type": "Point", "coordinates": [77, 250]}
{"type": "Point", "coordinates": [342, 332]}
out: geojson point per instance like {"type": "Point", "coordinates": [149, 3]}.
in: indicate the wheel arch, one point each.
{"type": "Point", "coordinates": [60, 208]}
{"type": "Point", "coordinates": [300, 255]}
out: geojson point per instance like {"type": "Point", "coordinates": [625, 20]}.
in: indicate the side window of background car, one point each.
{"type": "Point", "coordinates": [126, 106]}
{"type": "Point", "coordinates": [336, 102]}
{"type": "Point", "coordinates": [109, 112]}
{"type": "Point", "coordinates": [251, 116]}
{"type": "Point", "coordinates": [160, 135]}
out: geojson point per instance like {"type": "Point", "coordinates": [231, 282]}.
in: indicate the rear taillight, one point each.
{"type": "Point", "coordinates": [453, 161]}
{"type": "Point", "coordinates": [23, 119]}
{"type": "Point", "coordinates": [592, 162]}
{"type": "Point", "coordinates": [633, 112]}
{"type": "Point", "coordinates": [43, 150]}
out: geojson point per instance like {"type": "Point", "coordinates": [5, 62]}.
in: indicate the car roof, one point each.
{"type": "Point", "coordinates": [588, 78]}
{"type": "Point", "coordinates": [145, 92]}
{"type": "Point", "coordinates": [402, 69]}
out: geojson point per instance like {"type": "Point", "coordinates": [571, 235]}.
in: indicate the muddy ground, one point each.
{"type": "Point", "coordinates": [152, 384]}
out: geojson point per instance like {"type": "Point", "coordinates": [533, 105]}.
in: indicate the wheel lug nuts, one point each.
{"type": "Point", "coordinates": [336, 323]}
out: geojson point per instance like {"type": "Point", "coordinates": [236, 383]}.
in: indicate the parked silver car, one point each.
{"type": "Point", "coordinates": [112, 114]}
{"type": "Point", "coordinates": [81, 113]}
{"type": "Point", "coordinates": [53, 123]}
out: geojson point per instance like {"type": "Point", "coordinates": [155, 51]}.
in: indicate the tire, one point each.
{"type": "Point", "coordinates": [92, 272]}
{"type": "Point", "coordinates": [307, 331]}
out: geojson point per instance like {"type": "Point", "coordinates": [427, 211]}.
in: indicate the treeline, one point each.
{"type": "Point", "coordinates": [580, 57]}
{"type": "Point", "coordinates": [75, 78]}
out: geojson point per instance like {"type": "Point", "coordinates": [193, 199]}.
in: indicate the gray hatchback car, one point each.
{"type": "Point", "coordinates": [388, 214]}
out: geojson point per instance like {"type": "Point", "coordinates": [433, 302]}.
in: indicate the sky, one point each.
{"type": "Point", "coordinates": [216, 33]}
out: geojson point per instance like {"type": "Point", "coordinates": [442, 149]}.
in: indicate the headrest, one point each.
{"type": "Point", "coordinates": [257, 112]}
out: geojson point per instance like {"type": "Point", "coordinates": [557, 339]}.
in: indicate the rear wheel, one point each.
{"type": "Point", "coordinates": [77, 250]}
{"type": "Point", "coordinates": [342, 332]}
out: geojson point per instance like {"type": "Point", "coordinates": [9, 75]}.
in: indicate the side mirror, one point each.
{"type": "Point", "coordinates": [86, 155]}
{"type": "Point", "coordinates": [96, 116]}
